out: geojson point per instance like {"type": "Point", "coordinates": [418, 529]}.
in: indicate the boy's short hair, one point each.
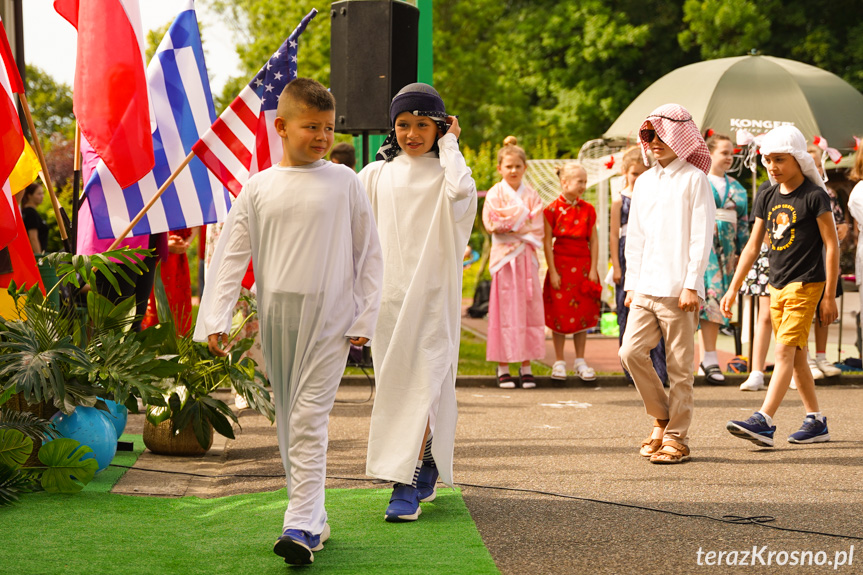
{"type": "Point", "coordinates": [568, 169]}
{"type": "Point", "coordinates": [344, 153]}
{"type": "Point", "coordinates": [304, 93]}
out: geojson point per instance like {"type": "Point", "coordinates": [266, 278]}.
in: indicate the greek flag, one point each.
{"type": "Point", "coordinates": [183, 108]}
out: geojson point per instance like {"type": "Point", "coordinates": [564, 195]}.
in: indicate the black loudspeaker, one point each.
{"type": "Point", "coordinates": [373, 55]}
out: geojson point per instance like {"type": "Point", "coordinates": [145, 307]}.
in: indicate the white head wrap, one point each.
{"type": "Point", "coordinates": [790, 140]}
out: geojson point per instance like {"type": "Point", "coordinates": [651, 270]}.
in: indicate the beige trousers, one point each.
{"type": "Point", "coordinates": [649, 319]}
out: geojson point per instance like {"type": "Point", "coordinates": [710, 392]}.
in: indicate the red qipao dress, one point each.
{"type": "Point", "coordinates": [575, 306]}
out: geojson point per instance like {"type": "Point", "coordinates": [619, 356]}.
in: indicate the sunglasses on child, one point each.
{"type": "Point", "coordinates": [647, 136]}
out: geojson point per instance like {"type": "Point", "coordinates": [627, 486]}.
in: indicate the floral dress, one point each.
{"type": "Point", "coordinates": [730, 234]}
{"type": "Point", "coordinates": [575, 306]}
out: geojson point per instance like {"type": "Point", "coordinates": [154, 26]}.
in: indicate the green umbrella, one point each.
{"type": "Point", "coordinates": [755, 93]}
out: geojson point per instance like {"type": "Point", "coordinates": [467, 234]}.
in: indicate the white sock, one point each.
{"type": "Point", "coordinates": [767, 418]}
{"type": "Point", "coordinates": [579, 360]}
{"type": "Point", "coordinates": [817, 415]}
{"type": "Point", "coordinates": [710, 358]}
{"type": "Point", "coordinates": [502, 370]}
{"type": "Point", "coordinates": [525, 370]}
{"type": "Point", "coordinates": [821, 356]}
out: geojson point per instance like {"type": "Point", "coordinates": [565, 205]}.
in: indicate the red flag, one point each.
{"type": "Point", "coordinates": [24, 269]}
{"type": "Point", "coordinates": [11, 138]}
{"type": "Point", "coordinates": [111, 102]}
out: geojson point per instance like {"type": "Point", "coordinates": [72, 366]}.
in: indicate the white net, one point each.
{"type": "Point", "coordinates": [600, 159]}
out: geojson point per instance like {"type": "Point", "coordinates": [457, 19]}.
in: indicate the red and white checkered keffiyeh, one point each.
{"type": "Point", "coordinates": [674, 126]}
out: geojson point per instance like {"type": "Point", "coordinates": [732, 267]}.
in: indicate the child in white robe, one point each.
{"type": "Point", "coordinates": [307, 226]}
{"type": "Point", "coordinates": [424, 201]}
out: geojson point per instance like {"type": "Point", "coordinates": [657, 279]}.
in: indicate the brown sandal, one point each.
{"type": "Point", "coordinates": [652, 444]}
{"type": "Point", "coordinates": [671, 452]}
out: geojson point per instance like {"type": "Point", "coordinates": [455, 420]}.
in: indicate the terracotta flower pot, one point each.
{"type": "Point", "coordinates": [162, 439]}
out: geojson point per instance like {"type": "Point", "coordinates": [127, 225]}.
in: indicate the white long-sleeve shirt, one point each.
{"type": "Point", "coordinates": [670, 231]}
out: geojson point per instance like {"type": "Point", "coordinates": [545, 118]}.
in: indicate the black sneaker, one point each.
{"type": "Point", "coordinates": [754, 429]}
{"type": "Point", "coordinates": [812, 431]}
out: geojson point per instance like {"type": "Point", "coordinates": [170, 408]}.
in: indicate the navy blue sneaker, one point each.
{"type": "Point", "coordinates": [296, 545]}
{"type": "Point", "coordinates": [404, 504]}
{"type": "Point", "coordinates": [426, 490]}
{"type": "Point", "coordinates": [754, 429]}
{"type": "Point", "coordinates": [812, 431]}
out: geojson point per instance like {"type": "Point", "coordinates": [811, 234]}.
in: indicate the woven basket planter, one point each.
{"type": "Point", "coordinates": [41, 409]}
{"type": "Point", "coordinates": [163, 440]}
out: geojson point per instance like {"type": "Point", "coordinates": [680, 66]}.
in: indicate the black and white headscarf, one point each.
{"type": "Point", "coordinates": [420, 100]}
{"type": "Point", "coordinates": [390, 148]}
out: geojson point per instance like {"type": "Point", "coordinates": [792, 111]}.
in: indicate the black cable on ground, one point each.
{"type": "Point", "coordinates": [758, 520]}
{"type": "Point", "coordinates": [371, 389]}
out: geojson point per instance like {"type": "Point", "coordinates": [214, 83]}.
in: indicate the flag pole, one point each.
{"type": "Point", "coordinates": [46, 177]}
{"type": "Point", "coordinates": [152, 201]}
{"type": "Point", "coordinates": [76, 186]}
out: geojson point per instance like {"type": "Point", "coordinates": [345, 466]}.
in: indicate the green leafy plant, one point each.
{"type": "Point", "coordinates": [188, 398]}
{"type": "Point", "coordinates": [53, 354]}
{"type": "Point", "coordinates": [63, 469]}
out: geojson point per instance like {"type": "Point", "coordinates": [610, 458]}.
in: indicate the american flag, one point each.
{"type": "Point", "coordinates": [243, 140]}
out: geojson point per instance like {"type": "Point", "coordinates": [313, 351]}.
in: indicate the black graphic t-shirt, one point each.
{"type": "Point", "coordinates": [796, 250]}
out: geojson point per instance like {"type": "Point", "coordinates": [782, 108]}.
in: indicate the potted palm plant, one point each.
{"type": "Point", "coordinates": [185, 424]}
{"type": "Point", "coordinates": [52, 358]}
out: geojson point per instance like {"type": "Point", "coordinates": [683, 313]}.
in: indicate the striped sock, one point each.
{"type": "Point", "coordinates": [417, 473]}
{"type": "Point", "coordinates": [427, 454]}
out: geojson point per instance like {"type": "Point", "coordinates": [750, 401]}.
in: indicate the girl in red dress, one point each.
{"type": "Point", "coordinates": [572, 290]}
{"type": "Point", "coordinates": [177, 281]}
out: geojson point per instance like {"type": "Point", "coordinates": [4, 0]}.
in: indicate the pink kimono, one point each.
{"type": "Point", "coordinates": [516, 326]}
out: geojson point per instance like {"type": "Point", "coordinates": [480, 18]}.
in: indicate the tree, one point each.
{"type": "Point", "coordinates": [51, 105]}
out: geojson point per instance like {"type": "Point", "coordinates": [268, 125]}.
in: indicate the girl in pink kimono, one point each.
{"type": "Point", "coordinates": [513, 215]}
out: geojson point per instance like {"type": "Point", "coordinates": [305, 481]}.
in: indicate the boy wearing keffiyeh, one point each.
{"type": "Point", "coordinates": [670, 234]}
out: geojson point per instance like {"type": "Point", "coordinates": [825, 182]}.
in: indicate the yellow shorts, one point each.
{"type": "Point", "coordinates": [791, 311]}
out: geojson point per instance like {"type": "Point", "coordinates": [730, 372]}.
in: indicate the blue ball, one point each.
{"type": "Point", "coordinates": [89, 427]}
{"type": "Point", "coordinates": [117, 414]}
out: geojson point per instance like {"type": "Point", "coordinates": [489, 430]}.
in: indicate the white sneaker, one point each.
{"type": "Point", "coordinates": [558, 370]}
{"type": "Point", "coordinates": [584, 371]}
{"type": "Point", "coordinates": [793, 383]}
{"type": "Point", "coordinates": [755, 382]}
{"type": "Point", "coordinates": [816, 372]}
{"type": "Point", "coordinates": [827, 368]}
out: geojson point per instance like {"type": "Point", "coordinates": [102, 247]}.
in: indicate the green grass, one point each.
{"type": "Point", "coordinates": [95, 531]}
{"type": "Point", "coordinates": [92, 532]}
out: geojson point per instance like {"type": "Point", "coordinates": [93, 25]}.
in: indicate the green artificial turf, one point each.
{"type": "Point", "coordinates": [105, 480]}
{"type": "Point", "coordinates": [103, 533]}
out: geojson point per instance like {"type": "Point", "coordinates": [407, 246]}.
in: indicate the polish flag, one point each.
{"type": "Point", "coordinates": [11, 138]}
{"type": "Point", "coordinates": [110, 97]}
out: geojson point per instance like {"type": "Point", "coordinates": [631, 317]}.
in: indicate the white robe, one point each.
{"type": "Point", "coordinates": [310, 232]}
{"type": "Point", "coordinates": [425, 209]}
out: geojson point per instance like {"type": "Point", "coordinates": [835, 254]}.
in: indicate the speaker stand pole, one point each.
{"type": "Point", "coordinates": [365, 149]}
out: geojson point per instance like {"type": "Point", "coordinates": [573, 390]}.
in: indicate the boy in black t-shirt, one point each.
{"type": "Point", "coordinates": [795, 213]}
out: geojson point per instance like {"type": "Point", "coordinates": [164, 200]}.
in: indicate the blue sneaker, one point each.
{"type": "Point", "coordinates": [404, 504]}
{"type": "Point", "coordinates": [426, 490]}
{"type": "Point", "coordinates": [812, 431]}
{"type": "Point", "coordinates": [754, 429]}
{"type": "Point", "coordinates": [296, 545]}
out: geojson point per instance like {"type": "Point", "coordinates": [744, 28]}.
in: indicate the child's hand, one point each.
{"type": "Point", "coordinates": [688, 300]}
{"type": "Point", "coordinates": [554, 277]}
{"type": "Point", "coordinates": [628, 300]}
{"type": "Point", "coordinates": [615, 274]}
{"type": "Point", "coordinates": [727, 302]}
{"type": "Point", "coordinates": [828, 312]}
{"type": "Point", "coordinates": [177, 245]}
{"type": "Point", "coordinates": [360, 341]}
{"type": "Point", "coordinates": [454, 128]}
{"type": "Point", "coordinates": [593, 276]}
{"type": "Point", "coordinates": [213, 344]}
